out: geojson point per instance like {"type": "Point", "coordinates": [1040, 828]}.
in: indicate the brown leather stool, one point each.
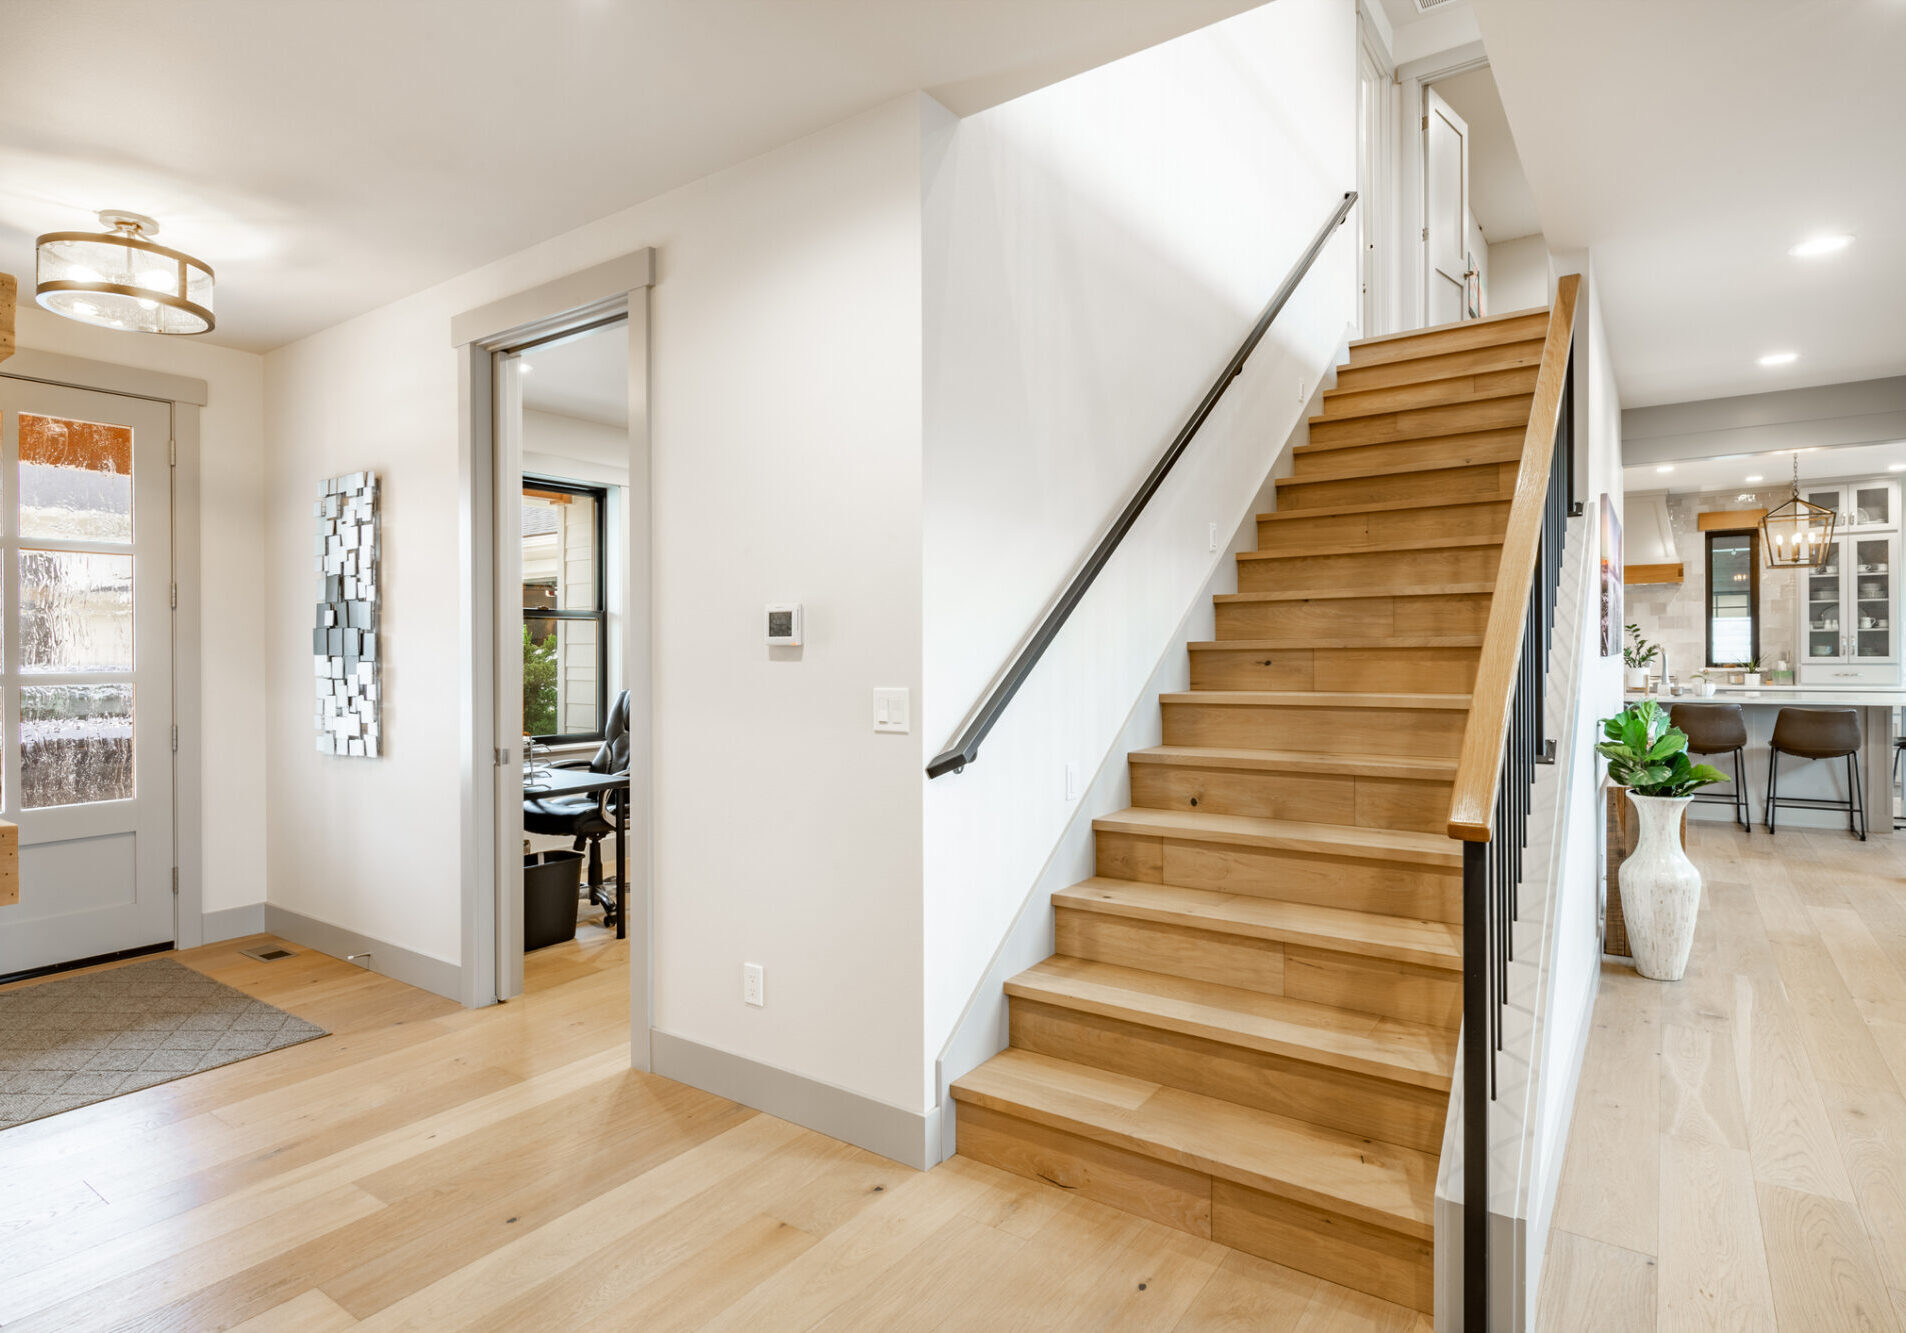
{"type": "Point", "coordinates": [1718, 729]}
{"type": "Point", "coordinates": [1818, 733]}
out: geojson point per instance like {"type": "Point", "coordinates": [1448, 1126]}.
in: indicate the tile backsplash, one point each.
{"type": "Point", "coordinates": [1674, 614]}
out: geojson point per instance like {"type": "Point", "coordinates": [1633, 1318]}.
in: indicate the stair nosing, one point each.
{"type": "Point", "coordinates": [1079, 897]}
{"type": "Point", "coordinates": [1378, 507]}
{"type": "Point", "coordinates": [1245, 758]}
{"type": "Point", "coordinates": [1418, 1223]}
{"type": "Point", "coordinates": [1347, 367]}
{"type": "Point", "coordinates": [1364, 594]}
{"type": "Point", "coordinates": [1421, 700]}
{"type": "Point", "coordinates": [1422, 544]}
{"type": "Point", "coordinates": [1420, 469]}
{"type": "Point", "coordinates": [1381, 339]}
{"type": "Point", "coordinates": [1476, 395]}
{"type": "Point", "coordinates": [1147, 1010]}
{"type": "Point", "coordinates": [1347, 417]}
{"type": "Point", "coordinates": [1349, 841]}
{"type": "Point", "coordinates": [1400, 642]}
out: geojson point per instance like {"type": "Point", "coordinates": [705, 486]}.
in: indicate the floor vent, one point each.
{"type": "Point", "coordinates": [268, 953]}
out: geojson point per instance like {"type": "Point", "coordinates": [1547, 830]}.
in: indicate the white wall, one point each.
{"type": "Point", "coordinates": [1095, 252]}
{"type": "Point", "coordinates": [786, 361]}
{"type": "Point", "coordinates": [1518, 274]}
{"type": "Point", "coordinates": [572, 449]}
{"type": "Point", "coordinates": [231, 549]}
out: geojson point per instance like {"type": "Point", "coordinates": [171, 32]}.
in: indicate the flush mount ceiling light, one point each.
{"type": "Point", "coordinates": [1780, 358]}
{"type": "Point", "coordinates": [1797, 534]}
{"type": "Point", "coordinates": [1755, 477]}
{"type": "Point", "coordinates": [119, 279]}
{"type": "Point", "coordinates": [1896, 467]}
{"type": "Point", "coordinates": [1665, 467]}
{"type": "Point", "coordinates": [1815, 246]}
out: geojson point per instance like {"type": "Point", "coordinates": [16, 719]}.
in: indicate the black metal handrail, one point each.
{"type": "Point", "coordinates": [979, 723]}
{"type": "Point", "coordinates": [1492, 870]}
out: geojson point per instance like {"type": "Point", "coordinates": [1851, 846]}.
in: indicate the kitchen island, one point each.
{"type": "Point", "coordinates": [1821, 779]}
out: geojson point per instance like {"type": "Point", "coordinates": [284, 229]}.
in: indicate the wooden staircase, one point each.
{"type": "Point", "coordinates": [1249, 1028]}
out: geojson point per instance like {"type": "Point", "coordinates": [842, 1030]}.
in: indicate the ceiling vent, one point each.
{"type": "Point", "coordinates": [1424, 6]}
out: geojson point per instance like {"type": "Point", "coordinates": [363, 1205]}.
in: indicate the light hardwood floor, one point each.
{"type": "Point", "coordinates": [1738, 1155]}
{"type": "Point", "coordinates": [431, 1168]}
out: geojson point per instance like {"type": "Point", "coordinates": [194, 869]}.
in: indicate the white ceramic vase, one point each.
{"type": "Point", "coordinates": [1660, 890]}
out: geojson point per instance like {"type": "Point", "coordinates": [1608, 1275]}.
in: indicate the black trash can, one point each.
{"type": "Point", "coordinates": [551, 883]}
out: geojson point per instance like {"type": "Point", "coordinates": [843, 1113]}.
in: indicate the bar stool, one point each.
{"type": "Point", "coordinates": [1718, 729]}
{"type": "Point", "coordinates": [1818, 733]}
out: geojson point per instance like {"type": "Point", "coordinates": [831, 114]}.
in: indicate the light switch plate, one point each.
{"type": "Point", "coordinates": [892, 710]}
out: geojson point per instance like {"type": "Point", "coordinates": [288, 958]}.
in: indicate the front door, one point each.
{"type": "Point", "coordinates": [85, 671]}
{"type": "Point", "coordinates": [1445, 212]}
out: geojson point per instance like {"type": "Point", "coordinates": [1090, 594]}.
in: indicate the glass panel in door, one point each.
{"type": "Point", "coordinates": [1874, 598]}
{"type": "Point", "coordinates": [1827, 497]}
{"type": "Point", "coordinates": [1821, 606]}
{"type": "Point", "coordinates": [1872, 506]}
{"type": "Point", "coordinates": [85, 671]}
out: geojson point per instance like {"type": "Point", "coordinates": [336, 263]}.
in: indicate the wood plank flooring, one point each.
{"type": "Point", "coordinates": [432, 1168]}
{"type": "Point", "coordinates": [1738, 1156]}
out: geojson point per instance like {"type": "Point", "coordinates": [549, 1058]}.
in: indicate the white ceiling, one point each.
{"type": "Point", "coordinates": [1700, 476]}
{"type": "Point", "coordinates": [326, 156]}
{"type": "Point", "coordinates": [586, 377]}
{"type": "Point", "coordinates": [1498, 191]}
{"type": "Point", "coordinates": [1689, 145]}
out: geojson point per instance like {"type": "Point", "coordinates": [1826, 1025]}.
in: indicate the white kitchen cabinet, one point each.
{"type": "Point", "coordinates": [1849, 613]}
{"type": "Point", "coordinates": [1858, 506]}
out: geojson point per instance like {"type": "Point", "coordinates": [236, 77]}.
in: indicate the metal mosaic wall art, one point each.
{"type": "Point", "coordinates": [344, 640]}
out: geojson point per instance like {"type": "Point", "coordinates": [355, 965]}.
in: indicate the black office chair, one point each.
{"type": "Point", "coordinates": [589, 819]}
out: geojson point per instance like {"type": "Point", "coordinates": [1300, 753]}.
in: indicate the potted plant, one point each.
{"type": "Point", "coordinates": [1753, 673]}
{"type": "Point", "coordinates": [1636, 656]}
{"type": "Point", "coordinates": [1703, 683]}
{"type": "Point", "coordinates": [1660, 888]}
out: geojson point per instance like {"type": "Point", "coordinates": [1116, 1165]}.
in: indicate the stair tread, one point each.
{"type": "Point", "coordinates": [1503, 318]}
{"type": "Point", "coordinates": [1315, 699]}
{"type": "Point", "coordinates": [1437, 391]}
{"type": "Point", "coordinates": [1379, 1183]}
{"type": "Point", "coordinates": [1340, 594]}
{"type": "Point", "coordinates": [1409, 544]}
{"type": "Point", "coordinates": [1376, 468]}
{"type": "Point", "coordinates": [1362, 765]}
{"type": "Point", "coordinates": [1378, 507]}
{"type": "Point", "coordinates": [1436, 944]}
{"type": "Point", "coordinates": [1367, 412]}
{"type": "Point", "coordinates": [1346, 1039]}
{"type": "Point", "coordinates": [1346, 840]}
{"type": "Point", "coordinates": [1522, 351]}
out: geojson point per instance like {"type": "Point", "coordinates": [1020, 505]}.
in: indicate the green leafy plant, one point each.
{"type": "Point", "coordinates": [1639, 651]}
{"type": "Point", "coordinates": [539, 685]}
{"type": "Point", "coordinates": [1649, 756]}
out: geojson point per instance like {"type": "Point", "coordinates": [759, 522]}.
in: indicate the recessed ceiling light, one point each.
{"type": "Point", "coordinates": [1665, 467]}
{"type": "Point", "coordinates": [1815, 246]}
{"type": "Point", "coordinates": [1757, 477]}
{"type": "Point", "coordinates": [1896, 467]}
{"type": "Point", "coordinates": [1780, 358]}
{"type": "Point", "coordinates": [525, 367]}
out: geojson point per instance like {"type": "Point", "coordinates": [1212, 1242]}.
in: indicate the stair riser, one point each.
{"type": "Point", "coordinates": [1409, 733]}
{"type": "Point", "coordinates": [1470, 450]}
{"type": "Point", "coordinates": [1418, 422]}
{"type": "Point", "coordinates": [1395, 888]}
{"type": "Point", "coordinates": [1336, 534]}
{"type": "Point", "coordinates": [1324, 976]}
{"type": "Point", "coordinates": [1464, 337]}
{"type": "Point", "coordinates": [1398, 1113]}
{"type": "Point", "coordinates": [1344, 1250]}
{"type": "Point", "coordinates": [1351, 1253]}
{"type": "Point", "coordinates": [1342, 402]}
{"type": "Point", "coordinates": [1372, 572]}
{"type": "Point", "coordinates": [1341, 618]}
{"type": "Point", "coordinates": [1425, 670]}
{"type": "Point", "coordinates": [1312, 798]}
{"type": "Point", "coordinates": [1445, 486]}
{"type": "Point", "coordinates": [1505, 356]}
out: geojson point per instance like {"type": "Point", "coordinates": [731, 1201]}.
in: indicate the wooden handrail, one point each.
{"type": "Point", "coordinates": [1472, 801]}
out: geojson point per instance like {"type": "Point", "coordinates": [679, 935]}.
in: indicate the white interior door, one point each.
{"type": "Point", "coordinates": [85, 671]}
{"type": "Point", "coordinates": [1445, 210]}
{"type": "Point", "coordinates": [508, 545]}
{"type": "Point", "coordinates": [1372, 99]}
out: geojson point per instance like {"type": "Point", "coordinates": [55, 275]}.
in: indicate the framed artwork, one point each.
{"type": "Point", "coordinates": [344, 656]}
{"type": "Point", "coordinates": [1611, 578]}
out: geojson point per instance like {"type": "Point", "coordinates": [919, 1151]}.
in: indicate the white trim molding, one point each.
{"type": "Point", "coordinates": [436, 975]}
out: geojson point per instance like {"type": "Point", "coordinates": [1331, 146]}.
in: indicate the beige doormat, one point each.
{"type": "Point", "coordinates": [67, 1044]}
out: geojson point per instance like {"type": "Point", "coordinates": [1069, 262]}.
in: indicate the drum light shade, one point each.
{"type": "Point", "coordinates": [119, 279]}
{"type": "Point", "coordinates": [1797, 534]}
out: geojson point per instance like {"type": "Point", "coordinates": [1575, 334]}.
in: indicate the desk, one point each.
{"type": "Point", "coordinates": [1825, 779]}
{"type": "Point", "coordinates": [582, 782]}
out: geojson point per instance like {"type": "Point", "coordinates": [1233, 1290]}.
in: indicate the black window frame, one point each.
{"type": "Point", "coordinates": [600, 615]}
{"type": "Point", "coordinates": [1753, 592]}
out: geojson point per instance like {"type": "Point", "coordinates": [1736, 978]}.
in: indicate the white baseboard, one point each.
{"type": "Point", "coordinates": [908, 1137]}
{"type": "Point", "coordinates": [413, 969]}
{"type": "Point", "coordinates": [232, 923]}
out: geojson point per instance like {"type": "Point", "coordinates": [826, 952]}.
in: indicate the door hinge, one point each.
{"type": "Point", "coordinates": [1426, 122]}
{"type": "Point", "coordinates": [175, 597]}
{"type": "Point", "coordinates": [175, 881]}
{"type": "Point", "coordinates": [172, 451]}
{"type": "Point", "coordinates": [175, 738]}
{"type": "Point", "coordinates": [502, 756]}
{"type": "Point", "coordinates": [1426, 233]}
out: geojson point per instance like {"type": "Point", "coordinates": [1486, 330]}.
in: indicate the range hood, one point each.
{"type": "Point", "coordinates": [1648, 553]}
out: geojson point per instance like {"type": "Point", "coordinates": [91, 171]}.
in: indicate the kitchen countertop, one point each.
{"type": "Point", "coordinates": [1771, 695]}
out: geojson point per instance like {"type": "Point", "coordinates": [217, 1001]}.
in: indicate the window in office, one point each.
{"type": "Point", "coordinates": [565, 621]}
{"type": "Point", "coordinates": [1733, 597]}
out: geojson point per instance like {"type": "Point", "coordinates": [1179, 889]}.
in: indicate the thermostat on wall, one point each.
{"type": "Point", "coordinates": [784, 625]}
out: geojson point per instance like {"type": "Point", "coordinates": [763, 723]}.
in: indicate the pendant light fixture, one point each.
{"type": "Point", "coordinates": [119, 279]}
{"type": "Point", "coordinates": [1797, 535]}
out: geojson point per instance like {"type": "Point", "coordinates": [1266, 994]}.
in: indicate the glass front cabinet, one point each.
{"type": "Point", "coordinates": [1849, 608]}
{"type": "Point", "coordinates": [1858, 506]}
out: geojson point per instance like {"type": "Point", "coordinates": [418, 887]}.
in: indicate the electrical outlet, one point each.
{"type": "Point", "coordinates": [1303, 391]}
{"type": "Point", "coordinates": [1072, 779]}
{"type": "Point", "coordinates": [1211, 535]}
{"type": "Point", "coordinates": [753, 984]}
